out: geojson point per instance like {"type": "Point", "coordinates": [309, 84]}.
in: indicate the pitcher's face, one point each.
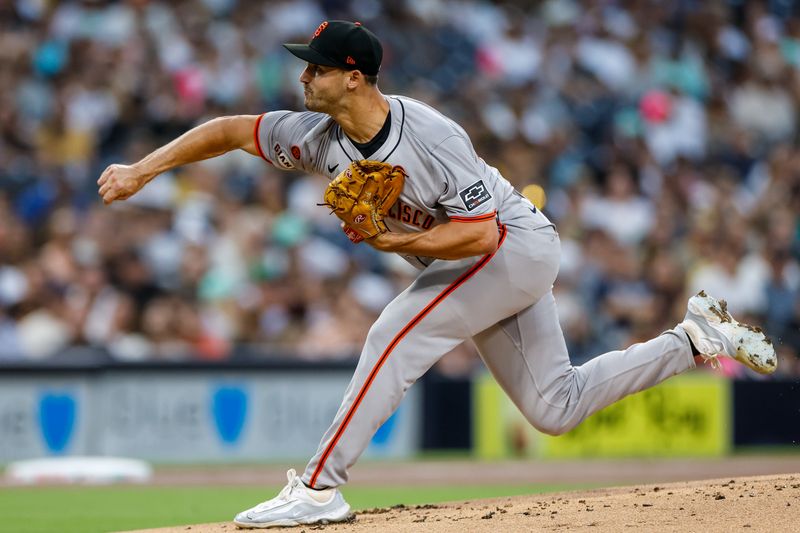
{"type": "Point", "coordinates": [323, 87]}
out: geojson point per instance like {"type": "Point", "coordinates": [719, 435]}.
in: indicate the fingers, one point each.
{"type": "Point", "coordinates": [114, 193]}
{"type": "Point", "coordinates": [108, 192]}
{"type": "Point", "coordinates": [110, 188]}
{"type": "Point", "coordinates": [105, 185]}
{"type": "Point", "coordinates": [106, 174]}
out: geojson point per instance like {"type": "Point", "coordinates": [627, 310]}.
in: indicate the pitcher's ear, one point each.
{"type": "Point", "coordinates": [355, 78]}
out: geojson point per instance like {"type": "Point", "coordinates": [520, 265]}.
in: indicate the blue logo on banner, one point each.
{"type": "Point", "coordinates": [384, 432]}
{"type": "Point", "coordinates": [57, 419]}
{"type": "Point", "coordinates": [229, 408]}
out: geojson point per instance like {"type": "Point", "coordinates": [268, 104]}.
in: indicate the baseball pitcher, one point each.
{"type": "Point", "coordinates": [406, 179]}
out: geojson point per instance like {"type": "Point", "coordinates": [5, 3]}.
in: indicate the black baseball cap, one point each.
{"type": "Point", "coordinates": [342, 44]}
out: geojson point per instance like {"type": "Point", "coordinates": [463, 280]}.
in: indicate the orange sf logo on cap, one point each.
{"type": "Point", "coordinates": [320, 29]}
{"type": "Point", "coordinates": [350, 61]}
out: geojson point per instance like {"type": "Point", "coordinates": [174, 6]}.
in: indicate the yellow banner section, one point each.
{"type": "Point", "coordinates": [688, 415]}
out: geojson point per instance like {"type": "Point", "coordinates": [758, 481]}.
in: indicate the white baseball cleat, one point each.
{"type": "Point", "coordinates": [713, 331]}
{"type": "Point", "coordinates": [296, 504]}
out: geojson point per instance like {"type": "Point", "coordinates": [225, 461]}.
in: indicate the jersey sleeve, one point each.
{"type": "Point", "coordinates": [281, 138]}
{"type": "Point", "coordinates": [466, 196]}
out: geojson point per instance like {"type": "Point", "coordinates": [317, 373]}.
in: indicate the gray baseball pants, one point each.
{"type": "Point", "coordinates": [504, 303]}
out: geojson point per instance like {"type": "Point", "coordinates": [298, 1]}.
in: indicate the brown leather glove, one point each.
{"type": "Point", "coordinates": [363, 193]}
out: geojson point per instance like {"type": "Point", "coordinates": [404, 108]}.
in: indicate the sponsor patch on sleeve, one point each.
{"type": "Point", "coordinates": [282, 158]}
{"type": "Point", "coordinates": [475, 195]}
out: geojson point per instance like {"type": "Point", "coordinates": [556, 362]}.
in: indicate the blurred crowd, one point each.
{"type": "Point", "coordinates": [664, 134]}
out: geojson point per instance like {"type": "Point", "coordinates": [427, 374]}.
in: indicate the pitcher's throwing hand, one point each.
{"type": "Point", "coordinates": [120, 182]}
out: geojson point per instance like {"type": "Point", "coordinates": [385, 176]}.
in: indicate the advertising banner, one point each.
{"type": "Point", "coordinates": [684, 416]}
{"type": "Point", "coordinates": [45, 416]}
{"type": "Point", "coordinates": [197, 416]}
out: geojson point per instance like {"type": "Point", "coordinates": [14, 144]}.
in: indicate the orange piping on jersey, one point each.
{"type": "Point", "coordinates": [258, 145]}
{"type": "Point", "coordinates": [479, 218]}
{"type": "Point", "coordinates": [392, 345]}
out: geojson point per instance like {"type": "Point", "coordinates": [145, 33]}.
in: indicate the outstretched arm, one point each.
{"type": "Point", "coordinates": [213, 138]}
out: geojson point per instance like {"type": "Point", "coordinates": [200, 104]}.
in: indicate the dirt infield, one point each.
{"type": "Point", "coordinates": [602, 472]}
{"type": "Point", "coordinates": [761, 503]}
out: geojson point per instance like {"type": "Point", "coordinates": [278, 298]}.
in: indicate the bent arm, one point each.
{"type": "Point", "coordinates": [452, 240]}
{"type": "Point", "coordinates": [213, 138]}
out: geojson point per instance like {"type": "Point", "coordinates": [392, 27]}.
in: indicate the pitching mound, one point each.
{"type": "Point", "coordinates": [764, 503]}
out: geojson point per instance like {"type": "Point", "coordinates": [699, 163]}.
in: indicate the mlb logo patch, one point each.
{"type": "Point", "coordinates": [475, 195]}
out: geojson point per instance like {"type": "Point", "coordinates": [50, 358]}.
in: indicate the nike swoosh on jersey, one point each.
{"type": "Point", "coordinates": [333, 168]}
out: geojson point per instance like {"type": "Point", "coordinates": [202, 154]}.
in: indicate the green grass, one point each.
{"type": "Point", "coordinates": [101, 509]}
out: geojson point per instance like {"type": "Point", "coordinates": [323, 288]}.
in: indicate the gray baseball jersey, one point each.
{"type": "Point", "coordinates": [446, 178]}
{"type": "Point", "coordinates": [503, 301]}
